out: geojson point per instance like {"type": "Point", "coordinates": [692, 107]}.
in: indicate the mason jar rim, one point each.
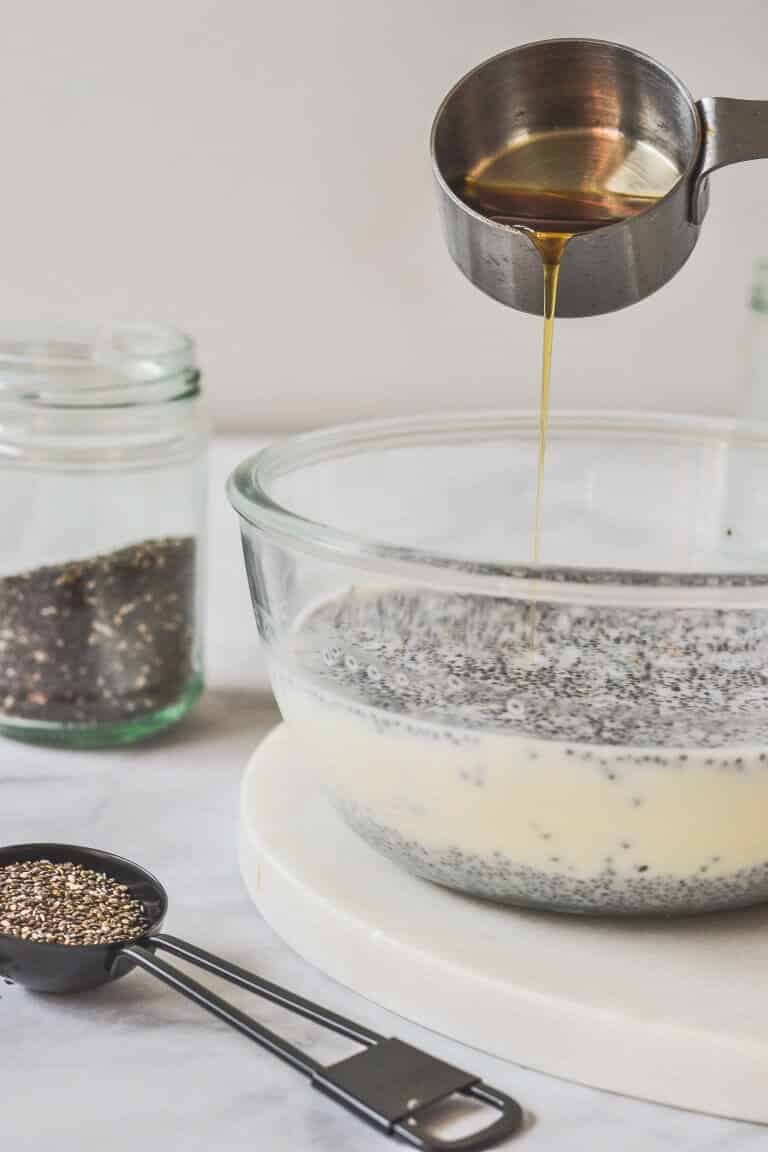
{"type": "Point", "coordinates": [129, 365]}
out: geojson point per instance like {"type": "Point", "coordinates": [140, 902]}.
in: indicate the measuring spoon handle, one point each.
{"type": "Point", "coordinates": [145, 958]}
{"type": "Point", "coordinates": [390, 1084]}
{"type": "Point", "coordinates": [265, 988]}
{"type": "Point", "coordinates": [732, 131]}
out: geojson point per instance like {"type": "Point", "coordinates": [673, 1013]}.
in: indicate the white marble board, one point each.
{"type": "Point", "coordinates": [669, 1010]}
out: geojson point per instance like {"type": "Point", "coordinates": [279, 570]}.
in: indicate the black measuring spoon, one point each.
{"type": "Point", "coordinates": [390, 1084]}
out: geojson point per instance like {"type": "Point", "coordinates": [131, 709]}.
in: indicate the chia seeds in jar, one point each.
{"type": "Point", "coordinates": [102, 472]}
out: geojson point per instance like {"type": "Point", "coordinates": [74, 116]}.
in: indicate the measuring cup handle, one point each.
{"type": "Point", "coordinates": [733, 131]}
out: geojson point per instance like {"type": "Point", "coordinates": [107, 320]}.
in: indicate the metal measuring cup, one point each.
{"type": "Point", "coordinates": [392, 1085]}
{"type": "Point", "coordinates": [557, 85]}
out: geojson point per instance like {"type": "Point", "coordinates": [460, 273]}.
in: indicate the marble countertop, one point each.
{"type": "Point", "coordinates": [134, 1065]}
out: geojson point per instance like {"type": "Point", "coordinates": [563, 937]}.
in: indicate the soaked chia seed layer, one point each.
{"type": "Point", "coordinates": [610, 891]}
{"type": "Point", "coordinates": [648, 678]}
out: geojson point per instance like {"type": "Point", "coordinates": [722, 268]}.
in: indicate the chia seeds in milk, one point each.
{"type": "Point", "coordinates": [102, 640]}
{"type": "Point", "coordinates": [616, 691]}
{"type": "Point", "coordinates": [645, 679]}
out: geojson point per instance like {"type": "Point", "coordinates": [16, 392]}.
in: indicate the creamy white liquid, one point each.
{"type": "Point", "coordinates": [578, 813]}
{"type": "Point", "coordinates": [497, 793]}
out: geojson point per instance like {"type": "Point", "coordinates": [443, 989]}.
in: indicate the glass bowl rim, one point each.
{"type": "Point", "coordinates": [248, 492]}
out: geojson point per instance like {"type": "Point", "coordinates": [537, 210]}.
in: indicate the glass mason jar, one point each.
{"type": "Point", "coordinates": [103, 481]}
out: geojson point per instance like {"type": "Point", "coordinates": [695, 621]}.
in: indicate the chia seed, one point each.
{"type": "Point", "coordinates": [632, 691]}
{"type": "Point", "coordinates": [561, 889]}
{"type": "Point", "coordinates": [102, 640]}
{"type": "Point", "coordinates": [66, 904]}
{"type": "Point", "coordinates": [691, 678]}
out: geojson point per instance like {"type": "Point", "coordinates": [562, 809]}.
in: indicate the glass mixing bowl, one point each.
{"type": "Point", "coordinates": [588, 735]}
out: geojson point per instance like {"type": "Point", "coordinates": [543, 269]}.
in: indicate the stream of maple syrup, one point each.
{"type": "Point", "coordinates": [554, 186]}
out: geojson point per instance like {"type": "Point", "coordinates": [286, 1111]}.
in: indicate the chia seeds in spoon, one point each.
{"type": "Point", "coordinates": [66, 904]}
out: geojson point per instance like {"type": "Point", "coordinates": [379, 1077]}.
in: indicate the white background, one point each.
{"type": "Point", "coordinates": [258, 174]}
